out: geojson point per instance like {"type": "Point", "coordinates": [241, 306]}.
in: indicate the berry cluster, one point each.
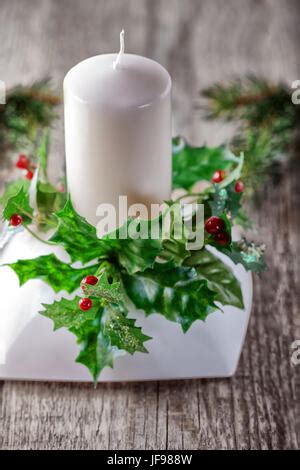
{"type": "Point", "coordinates": [86, 303]}
{"type": "Point", "coordinates": [219, 175]}
{"type": "Point", "coordinates": [24, 163]}
{"type": "Point", "coordinates": [216, 226]}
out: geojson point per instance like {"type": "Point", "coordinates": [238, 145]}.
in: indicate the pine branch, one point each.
{"type": "Point", "coordinates": [269, 123]}
{"type": "Point", "coordinates": [248, 99]}
{"type": "Point", "coordinates": [26, 112]}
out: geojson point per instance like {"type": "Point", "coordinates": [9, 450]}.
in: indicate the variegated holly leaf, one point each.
{"type": "Point", "coordinates": [175, 292]}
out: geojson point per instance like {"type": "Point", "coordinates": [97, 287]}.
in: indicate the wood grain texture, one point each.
{"type": "Point", "coordinates": [200, 42]}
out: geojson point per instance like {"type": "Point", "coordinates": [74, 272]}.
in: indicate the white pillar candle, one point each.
{"type": "Point", "coordinates": [117, 131]}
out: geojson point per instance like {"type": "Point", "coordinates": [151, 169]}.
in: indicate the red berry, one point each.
{"type": "Point", "coordinates": [222, 238]}
{"type": "Point", "coordinates": [85, 304]}
{"type": "Point", "coordinates": [29, 175]}
{"type": "Point", "coordinates": [15, 220]}
{"type": "Point", "coordinates": [239, 187]}
{"type": "Point", "coordinates": [218, 176]}
{"type": "Point", "coordinates": [91, 280]}
{"type": "Point", "coordinates": [23, 162]}
{"type": "Point", "coordinates": [214, 225]}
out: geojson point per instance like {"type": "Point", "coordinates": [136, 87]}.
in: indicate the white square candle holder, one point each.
{"type": "Point", "coordinates": [30, 350]}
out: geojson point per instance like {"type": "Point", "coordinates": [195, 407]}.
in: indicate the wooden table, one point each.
{"type": "Point", "coordinates": [199, 42]}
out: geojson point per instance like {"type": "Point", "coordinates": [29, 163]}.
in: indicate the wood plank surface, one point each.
{"type": "Point", "coordinates": [199, 42]}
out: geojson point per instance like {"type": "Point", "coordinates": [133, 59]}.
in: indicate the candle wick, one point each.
{"type": "Point", "coordinates": [116, 62]}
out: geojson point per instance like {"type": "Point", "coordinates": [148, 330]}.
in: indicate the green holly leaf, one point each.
{"type": "Point", "coordinates": [248, 254]}
{"type": "Point", "coordinates": [77, 236]}
{"type": "Point", "coordinates": [105, 290]}
{"type": "Point", "coordinates": [80, 240]}
{"type": "Point", "coordinates": [19, 204]}
{"type": "Point", "coordinates": [12, 188]}
{"type": "Point", "coordinates": [175, 292]}
{"type": "Point", "coordinates": [192, 164]}
{"type": "Point", "coordinates": [67, 314]}
{"type": "Point", "coordinates": [138, 255]}
{"type": "Point", "coordinates": [181, 233]}
{"type": "Point", "coordinates": [233, 204]}
{"type": "Point", "coordinates": [219, 200]}
{"type": "Point", "coordinates": [122, 331]}
{"type": "Point", "coordinates": [102, 333]}
{"type": "Point", "coordinates": [174, 250]}
{"type": "Point", "coordinates": [96, 352]}
{"type": "Point", "coordinates": [48, 268]}
{"type": "Point", "coordinates": [219, 277]}
{"type": "Point", "coordinates": [133, 244]}
{"type": "Point", "coordinates": [225, 199]}
{"type": "Point", "coordinates": [110, 334]}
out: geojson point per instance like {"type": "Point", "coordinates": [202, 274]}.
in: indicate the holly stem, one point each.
{"type": "Point", "coordinates": [22, 211]}
{"type": "Point", "coordinates": [107, 267]}
{"type": "Point", "coordinates": [37, 236]}
{"type": "Point", "coordinates": [187, 195]}
{"type": "Point", "coordinates": [46, 221]}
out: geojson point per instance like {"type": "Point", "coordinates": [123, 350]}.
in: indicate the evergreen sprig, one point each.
{"type": "Point", "coordinates": [27, 110]}
{"type": "Point", "coordinates": [268, 123]}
